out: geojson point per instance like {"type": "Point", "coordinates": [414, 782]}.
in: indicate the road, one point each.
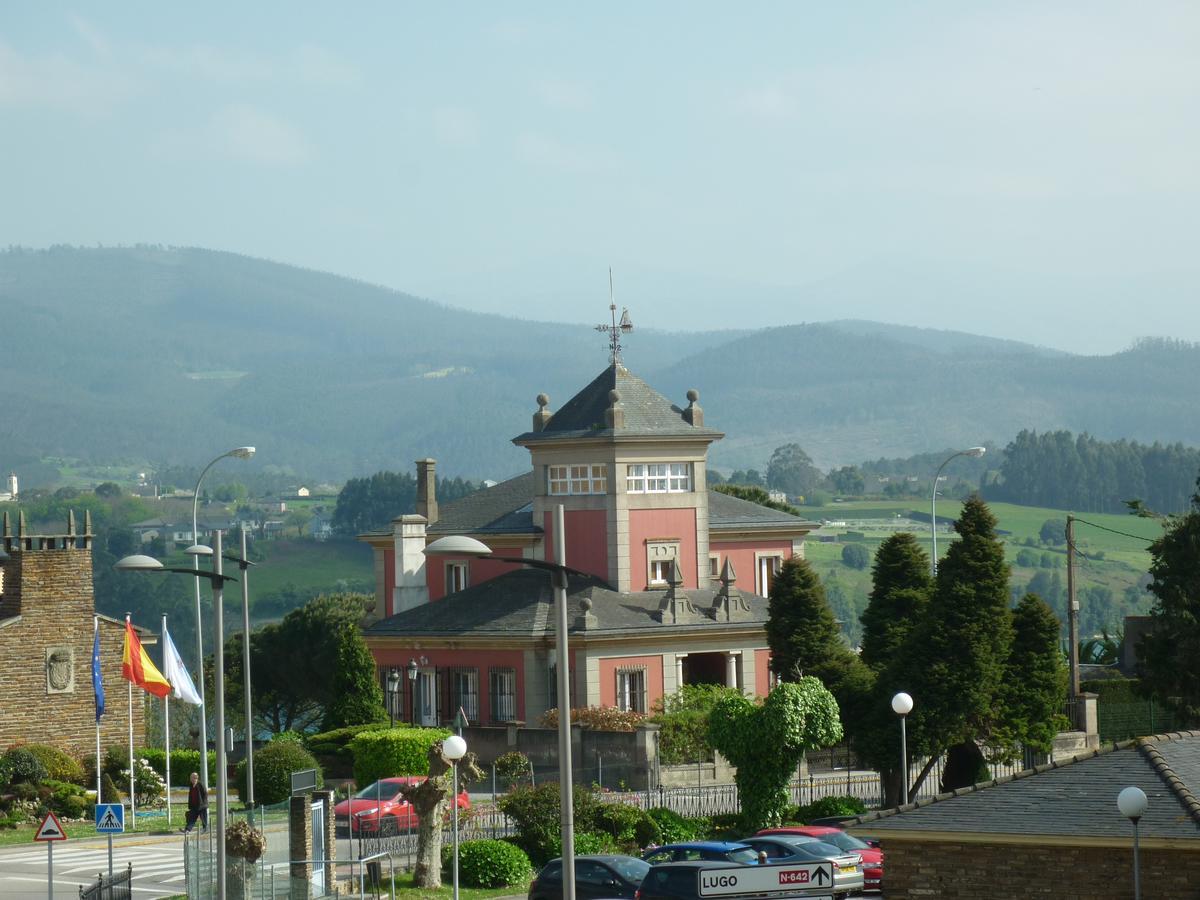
{"type": "Point", "coordinates": [157, 866]}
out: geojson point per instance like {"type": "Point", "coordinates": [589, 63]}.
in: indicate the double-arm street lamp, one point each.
{"type": "Point", "coordinates": [458, 545]}
{"type": "Point", "coordinates": [244, 564]}
{"type": "Point", "coordinates": [970, 451]}
{"type": "Point", "coordinates": [139, 563]}
{"type": "Point", "coordinates": [197, 549]}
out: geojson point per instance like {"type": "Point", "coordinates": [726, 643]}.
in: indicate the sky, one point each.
{"type": "Point", "coordinates": [1022, 170]}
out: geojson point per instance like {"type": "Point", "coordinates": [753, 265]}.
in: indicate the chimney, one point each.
{"type": "Point", "coordinates": [427, 490]}
{"type": "Point", "coordinates": [694, 415]}
{"type": "Point", "coordinates": [12, 484]}
{"type": "Point", "coordinates": [408, 542]}
{"type": "Point", "coordinates": [614, 416]}
{"type": "Point", "coordinates": [542, 417]}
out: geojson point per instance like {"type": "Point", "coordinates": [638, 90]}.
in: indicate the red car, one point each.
{"type": "Point", "coordinates": [872, 857]}
{"type": "Point", "coordinates": [379, 808]}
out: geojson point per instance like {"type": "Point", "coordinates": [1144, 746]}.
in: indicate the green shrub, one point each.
{"type": "Point", "coordinates": [273, 768]}
{"type": "Point", "coordinates": [493, 864]}
{"type": "Point", "coordinates": [828, 807]}
{"type": "Point", "coordinates": [332, 748]}
{"type": "Point", "coordinates": [59, 765]}
{"type": "Point", "coordinates": [676, 829]}
{"type": "Point", "coordinates": [24, 767]}
{"type": "Point", "coordinates": [591, 842]}
{"type": "Point", "coordinates": [1027, 558]}
{"type": "Point", "coordinates": [535, 811]}
{"type": "Point", "coordinates": [67, 799]}
{"type": "Point", "coordinates": [513, 764]}
{"type": "Point", "coordinates": [149, 785]}
{"type": "Point", "coordinates": [630, 827]}
{"type": "Point", "coordinates": [393, 751]}
{"type": "Point", "coordinates": [109, 788]}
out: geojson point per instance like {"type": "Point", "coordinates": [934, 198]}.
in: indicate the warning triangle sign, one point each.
{"type": "Point", "coordinates": [51, 829]}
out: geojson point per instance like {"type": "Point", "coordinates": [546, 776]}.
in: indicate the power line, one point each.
{"type": "Point", "coordinates": [1136, 537]}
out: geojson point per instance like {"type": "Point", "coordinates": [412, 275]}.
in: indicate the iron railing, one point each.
{"type": "Point", "coordinates": [118, 886]}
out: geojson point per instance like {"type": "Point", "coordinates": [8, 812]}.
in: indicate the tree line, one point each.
{"type": "Point", "coordinates": [370, 504]}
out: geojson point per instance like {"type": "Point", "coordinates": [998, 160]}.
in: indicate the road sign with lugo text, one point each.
{"type": "Point", "coordinates": [798, 879]}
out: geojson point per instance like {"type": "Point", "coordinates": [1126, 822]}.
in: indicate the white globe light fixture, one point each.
{"type": "Point", "coordinates": [454, 748]}
{"type": "Point", "coordinates": [902, 705]}
{"type": "Point", "coordinates": [1132, 803]}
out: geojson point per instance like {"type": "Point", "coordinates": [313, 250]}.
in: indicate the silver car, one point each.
{"type": "Point", "coordinates": [782, 849]}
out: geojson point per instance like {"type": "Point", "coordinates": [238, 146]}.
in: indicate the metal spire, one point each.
{"type": "Point", "coordinates": [616, 329]}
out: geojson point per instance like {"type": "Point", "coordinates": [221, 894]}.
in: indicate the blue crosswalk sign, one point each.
{"type": "Point", "coordinates": [110, 818]}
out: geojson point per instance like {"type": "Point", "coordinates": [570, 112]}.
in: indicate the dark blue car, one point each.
{"type": "Point", "coordinates": [716, 851]}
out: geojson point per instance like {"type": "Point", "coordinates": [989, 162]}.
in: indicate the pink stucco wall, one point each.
{"type": "Point", "coordinates": [762, 672]}
{"type": "Point", "coordinates": [587, 539]}
{"type": "Point", "coordinates": [608, 678]}
{"type": "Point", "coordinates": [478, 571]}
{"type": "Point", "coordinates": [475, 658]}
{"type": "Point", "coordinates": [665, 524]}
{"type": "Point", "coordinates": [742, 557]}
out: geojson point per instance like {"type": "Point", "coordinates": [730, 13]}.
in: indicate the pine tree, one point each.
{"type": "Point", "coordinates": [1035, 685]}
{"type": "Point", "coordinates": [1167, 655]}
{"type": "Point", "coordinates": [956, 661]}
{"type": "Point", "coordinates": [899, 596]}
{"type": "Point", "coordinates": [801, 629]}
{"type": "Point", "coordinates": [357, 698]}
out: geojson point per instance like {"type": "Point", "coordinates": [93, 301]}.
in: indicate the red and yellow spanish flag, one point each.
{"type": "Point", "coordinates": [136, 665]}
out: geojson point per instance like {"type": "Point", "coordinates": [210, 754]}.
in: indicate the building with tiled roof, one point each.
{"type": "Point", "coordinates": [1053, 831]}
{"type": "Point", "coordinates": [673, 577]}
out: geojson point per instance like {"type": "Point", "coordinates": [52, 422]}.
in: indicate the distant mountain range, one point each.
{"type": "Point", "coordinates": [172, 355]}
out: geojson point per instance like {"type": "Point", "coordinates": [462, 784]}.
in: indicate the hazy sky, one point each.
{"type": "Point", "coordinates": [1024, 170]}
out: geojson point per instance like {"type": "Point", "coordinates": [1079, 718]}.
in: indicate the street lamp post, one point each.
{"type": "Point", "coordinates": [902, 705]}
{"type": "Point", "coordinates": [217, 579]}
{"type": "Point", "coordinates": [454, 748]}
{"type": "Point", "coordinates": [198, 550]}
{"type": "Point", "coordinates": [413, 670]}
{"type": "Point", "coordinates": [244, 565]}
{"type": "Point", "coordinates": [393, 686]}
{"type": "Point", "coordinates": [1132, 803]}
{"type": "Point", "coordinates": [458, 545]}
{"type": "Point", "coordinates": [970, 451]}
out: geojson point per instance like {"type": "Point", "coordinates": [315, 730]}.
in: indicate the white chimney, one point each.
{"type": "Point", "coordinates": [12, 485]}
{"type": "Point", "coordinates": [408, 539]}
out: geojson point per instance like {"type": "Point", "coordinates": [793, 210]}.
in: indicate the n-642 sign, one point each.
{"type": "Point", "coordinates": [799, 879]}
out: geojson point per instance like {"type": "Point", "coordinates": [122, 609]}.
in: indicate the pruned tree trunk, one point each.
{"type": "Point", "coordinates": [428, 801]}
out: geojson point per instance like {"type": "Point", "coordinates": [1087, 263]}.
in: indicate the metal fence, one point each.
{"type": "Point", "coordinates": [117, 887]}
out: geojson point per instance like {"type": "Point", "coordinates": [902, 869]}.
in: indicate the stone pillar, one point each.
{"type": "Point", "coordinates": [408, 541]}
{"type": "Point", "coordinates": [300, 847]}
{"type": "Point", "coordinates": [1091, 721]}
{"type": "Point", "coordinates": [646, 754]}
{"type": "Point", "coordinates": [679, 670]}
{"type": "Point", "coordinates": [731, 661]}
{"type": "Point", "coordinates": [329, 839]}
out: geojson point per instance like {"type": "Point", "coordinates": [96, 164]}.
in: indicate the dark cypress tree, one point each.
{"type": "Point", "coordinates": [956, 662]}
{"type": "Point", "coordinates": [1035, 685]}
{"type": "Point", "coordinates": [899, 596]}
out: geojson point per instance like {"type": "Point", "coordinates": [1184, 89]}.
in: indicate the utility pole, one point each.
{"type": "Point", "coordinates": [1072, 612]}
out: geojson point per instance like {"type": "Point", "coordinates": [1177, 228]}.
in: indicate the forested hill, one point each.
{"type": "Point", "coordinates": [171, 355]}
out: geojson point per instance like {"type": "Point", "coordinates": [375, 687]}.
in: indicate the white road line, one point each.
{"type": "Point", "coordinates": [77, 884]}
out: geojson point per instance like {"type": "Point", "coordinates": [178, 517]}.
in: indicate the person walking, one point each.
{"type": "Point", "coordinates": [197, 804]}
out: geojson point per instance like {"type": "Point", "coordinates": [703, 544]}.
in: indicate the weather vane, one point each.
{"type": "Point", "coordinates": [616, 329]}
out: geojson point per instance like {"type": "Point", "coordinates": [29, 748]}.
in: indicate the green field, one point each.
{"type": "Point", "coordinates": [1110, 569]}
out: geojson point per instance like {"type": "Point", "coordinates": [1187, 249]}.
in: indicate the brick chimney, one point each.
{"type": "Point", "coordinates": [427, 490]}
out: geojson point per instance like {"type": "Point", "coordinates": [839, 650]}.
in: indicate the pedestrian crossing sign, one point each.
{"type": "Point", "coordinates": [51, 829]}
{"type": "Point", "coordinates": [110, 818]}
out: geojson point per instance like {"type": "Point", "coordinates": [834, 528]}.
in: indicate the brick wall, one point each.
{"type": "Point", "coordinates": [915, 870]}
{"type": "Point", "coordinates": [51, 591]}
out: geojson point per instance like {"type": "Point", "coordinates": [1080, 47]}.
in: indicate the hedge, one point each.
{"type": "Point", "coordinates": [183, 763]}
{"type": "Point", "coordinates": [490, 864]}
{"type": "Point", "coordinates": [273, 768]}
{"type": "Point", "coordinates": [332, 748]}
{"type": "Point", "coordinates": [393, 751]}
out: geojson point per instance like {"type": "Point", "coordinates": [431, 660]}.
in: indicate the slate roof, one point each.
{"type": "Point", "coordinates": [504, 508]}
{"type": "Point", "coordinates": [520, 604]}
{"type": "Point", "coordinates": [647, 412]}
{"type": "Point", "coordinates": [1075, 797]}
{"type": "Point", "coordinates": [726, 511]}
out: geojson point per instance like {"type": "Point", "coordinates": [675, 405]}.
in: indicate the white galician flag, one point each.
{"type": "Point", "coordinates": [181, 682]}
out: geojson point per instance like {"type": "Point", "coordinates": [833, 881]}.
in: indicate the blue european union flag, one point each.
{"type": "Point", "coordinates": [97, 681]}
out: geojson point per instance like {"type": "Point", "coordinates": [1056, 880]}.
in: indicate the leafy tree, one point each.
{"type": "Point", "coordinates": [1167, 654]}
{"type": "Point", "coordinates": [1026, 558]}
{"type": "Point", "coordinates": [755, 495]}
{"type": "Point", "coordinates": [766, 742]}
{"type": "Point", "coordinates": [367, 504]}
{"type": "Point", "coordinates": [1035, 686]}
{"type": "Point", "coordinates": [1053, 532]}
{"type": "Point", "coordinates": [356, 697]}
{"type": "Point", "coordinates": [298, 519]}
{"type": "Point", "coordinates": [792, 470]}
{"type": "Point", "coordinates": [848, 480]}
{"type": "Point", "coordinates": [750, 478]}
{"type": "Point", "coordinates": [956, 661]}
{"type": "Point", "coordinates": [108, 489]}
{"type": "Point", "coordinates": [801, 631]}
{"type": "Point", "coordinates": [856, 556]}
{"type": "Point", "coordinates": [683, 717]}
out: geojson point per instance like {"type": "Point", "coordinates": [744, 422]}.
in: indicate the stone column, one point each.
{"type": "Point", "coordinates": [646, 755]}
{"type": "Point", "coordinates": [300, 847]}
{"type": "Point", "coordinates": [679, 670]}
{"type": "Point", "coordinates": [731, 661]}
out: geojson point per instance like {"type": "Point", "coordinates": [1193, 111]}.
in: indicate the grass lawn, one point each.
{"type": "Point", "coordinates": [407, 890]}
{"type": "Point", "coordinates": [312, 563]}
{"type": "Point", "coordinates": [23, 834]}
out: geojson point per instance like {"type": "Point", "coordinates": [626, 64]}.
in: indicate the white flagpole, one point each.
{"type": "Point", "coordinates": [99, 761]}
{"type": "Point", "coordinates": [132, 776]}
{"type": "Point", "coordinates": [167, 719]}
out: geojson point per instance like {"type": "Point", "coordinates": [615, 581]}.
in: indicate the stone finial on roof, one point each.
{"type": "Point", "coordinates": [614, 416]}
{"type": "Point", "coordinates": [676, 608]}
{"type": "Point", "coordinates": [21, 526]}
{"type": "Point", "coordinates": [70, 523]}
{"type": "Point", "coordinates": [7, 525]}
{"type": "Point", "coordinates": [728, 604]}
{"type": "Point", "coordinates": [694, 415]}
{"type": "Point", "coordinates": [586, 618]}
{"type": "Point", "coordinates": [542, 417]}
{"type": "Point", "coordinates": [87, 529]}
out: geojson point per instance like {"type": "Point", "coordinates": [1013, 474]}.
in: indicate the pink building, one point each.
{"type": "Point", "coordinates": [677, 581]}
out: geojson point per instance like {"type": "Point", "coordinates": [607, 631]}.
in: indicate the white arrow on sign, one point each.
{"type": "Point", "coordinates": [798, 879]}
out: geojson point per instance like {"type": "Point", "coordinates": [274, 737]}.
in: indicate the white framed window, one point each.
{"type": "Point", "coordinates": [575, 479]}
{"type": "Point", "coordinates": [660, 553]}
{"type": "Point", "coordinates": [714, 566]}
{"type": "Point", "coordinates": [456, 576]}
{"type": "Point", "coordinates": [502, 694]}
{"type": "Point", "coordinates": [631, 689]}
{"type": "Point", "coordinates": [658, 478]}
{"type": "Point", "coordinates": [464, 693]}
{"type": "Point", "coordinates": [660, 571]}
{"type": "Point", "coordinates": [768, 568]}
